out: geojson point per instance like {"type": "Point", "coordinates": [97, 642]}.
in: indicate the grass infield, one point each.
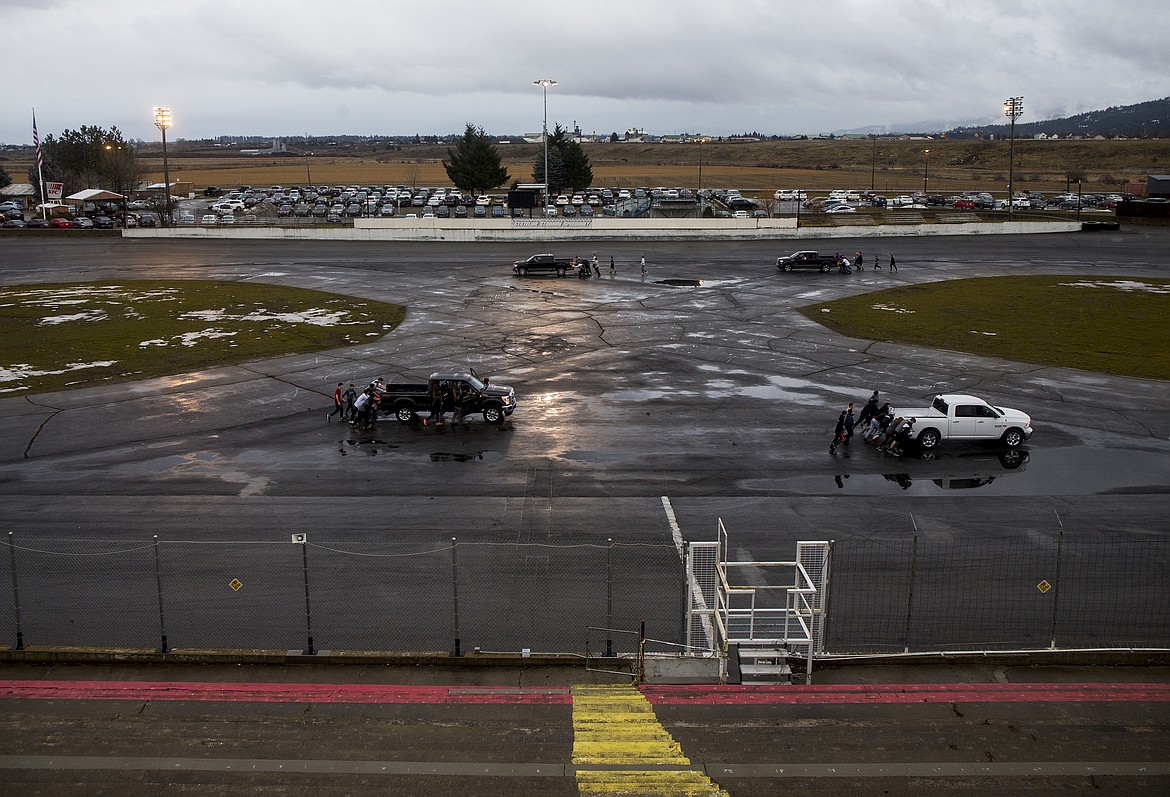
{"type": "Point", "coordinates": [1114, 325]}
{"type": "Point", "coordinates": [59, 336]}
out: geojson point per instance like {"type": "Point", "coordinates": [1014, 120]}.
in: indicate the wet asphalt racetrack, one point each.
{"type": "Point", "coordinates": [720, 397]}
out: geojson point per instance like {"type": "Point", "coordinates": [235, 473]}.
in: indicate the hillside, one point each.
{"type": "Point", "coordinates": [1143, 120]}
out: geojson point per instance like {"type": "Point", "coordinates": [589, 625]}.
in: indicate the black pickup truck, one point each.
{"type": "Point", "coordinates": [406, 400]}
{"type": "Point", "coordinates": [806, 259]}
{"type": "Point", "coordinates": [542, 264]}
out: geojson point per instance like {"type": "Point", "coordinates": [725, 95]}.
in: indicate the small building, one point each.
{"type": "Point", "coordinates": [1158, 185]}
{"type": "Point", "coordinates": [24, 193]}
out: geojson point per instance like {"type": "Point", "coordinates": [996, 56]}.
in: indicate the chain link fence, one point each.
{"type": "Point", "coordinates": [926, 594]}
{"type": "Point", "coordinates": [913, 594]}
{"type": "Point", "coordinates": [434, 596]}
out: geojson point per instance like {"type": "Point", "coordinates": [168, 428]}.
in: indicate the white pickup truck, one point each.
{"type": "Point", "coordinates": [955, 416]}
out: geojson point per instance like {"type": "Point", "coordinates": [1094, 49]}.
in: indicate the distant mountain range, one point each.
{"type": "Point", "coordinates": [1144, 119]}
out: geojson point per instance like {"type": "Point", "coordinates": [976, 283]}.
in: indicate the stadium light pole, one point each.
{"type": "Point", "coordinates": [925, 168]}
{"type": "Point", "coordinates": [544, 83]}
{"type": "Point", "coordinates": [163, 120]}
{"type": "Point", "coordinates": [1013, 107]}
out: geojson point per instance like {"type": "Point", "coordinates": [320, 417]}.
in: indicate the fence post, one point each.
{"type": "Point", "coordinates": [162, 622]}
{"type": "Point", "coordinates": [303, 539]}
{"type": "Point", "coordinates": [15, 592]}
{"type": "Point", "coordinates": [609, 599]}
{"type": "Point", "coordinates": [1056, 581]}
{"type": "Point", "coordinates": [910, 589]}
{"type": "Point", "coordinates": [455, 596]}
{"type": "Point", "coordinates": [825, 596]}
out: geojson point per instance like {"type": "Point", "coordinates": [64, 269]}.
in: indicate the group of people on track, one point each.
{"type": "Point", "coordinates": [847, 266]}
{"type": "Point", "coordinates": [360, 408]}
{"type": "Point", "coordinates": [876, 424]}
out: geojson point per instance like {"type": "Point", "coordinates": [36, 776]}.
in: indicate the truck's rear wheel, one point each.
{"type": "Point", "coordinates": [493, 414]}
{"type": "Point", "coordinates": [1013, 438]}
{"type": "Point", "coordinates": [928, 439]}
{"type": "Point", "coordinates": [404, 413]}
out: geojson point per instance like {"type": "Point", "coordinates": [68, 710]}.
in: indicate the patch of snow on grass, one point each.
{"type": "Point", "coordinates": [900, 310]}
{"type": "Point", "coordinates": [314, 316]}
{"type": "Point", "coordinates": [187, 338]}
{"type": "Point", "coordinates": [1120, 285]}
{"type": "Point", "coordinates": [88, 315]}
{"type": "Point", "coordinates": [25, 370]}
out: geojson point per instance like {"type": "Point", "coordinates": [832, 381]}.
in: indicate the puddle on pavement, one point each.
{"type": "Point", "coordinates": [440, 456]}
{"type": "Point", "coordinates": [681, 283]}
{"type": "Point", "coordinates": [368, 446]}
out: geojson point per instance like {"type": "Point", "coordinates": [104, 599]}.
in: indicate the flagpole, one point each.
{"type": "Point", "coordinates": [40, 171]}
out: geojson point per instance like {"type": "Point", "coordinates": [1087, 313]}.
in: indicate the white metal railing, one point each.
{"type": "Point", "coordinates": [723, 612]}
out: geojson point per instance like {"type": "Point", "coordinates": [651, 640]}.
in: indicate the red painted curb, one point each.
{"type": "Point", "coordinates": [279, 692]}
{"type": "Point", "coordinates": [699, 694]}
{"type": "Point", "coordinates": [768, 694]}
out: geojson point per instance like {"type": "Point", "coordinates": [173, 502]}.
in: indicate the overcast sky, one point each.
{"type": "Point", "coordinates": [257, 67]}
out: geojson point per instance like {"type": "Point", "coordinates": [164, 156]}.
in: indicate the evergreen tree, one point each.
{"type": "Point", "coordinates": [578, 172]}
{"type": "Point", "coordinates": [5, 178]}
{"type": "Point", "coordinates": [474, 164]}
{"type": "Point", "coordinates": [89, 157]}
{"type": "Point", "coordinates": [556, 169]}
{"type": "Point", "coordinates": [568, 165]}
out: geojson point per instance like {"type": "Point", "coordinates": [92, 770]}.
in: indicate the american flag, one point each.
{"type": "Point", "coordinates": [37, 143]}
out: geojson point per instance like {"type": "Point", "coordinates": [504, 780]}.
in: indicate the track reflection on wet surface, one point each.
{"type": "Point", "coordinates": [1024, 471]}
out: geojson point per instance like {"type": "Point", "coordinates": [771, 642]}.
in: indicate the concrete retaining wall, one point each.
{"type": "Point", "coordinates": [602, 229]}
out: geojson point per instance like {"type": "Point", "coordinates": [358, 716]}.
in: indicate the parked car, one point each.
{"type": "Point", "coordinates": [103, 222]}
{"type": "Point", "coordinates": [39, 223]}
{"type": "Point", "coordinates": [964, 203]}
{"type": "Point", "coordinates": [460, 211]}
{"type": "Point", "coordinates": [498, 212]}
{"type": "Point", "coordinates": [60, 223]}
{"type": "Point", "coordinates": [209, 218]}
{"type": "Point", "coordinates": [13, 224]}
{"type": "Point", "coordinates": [480, 212]}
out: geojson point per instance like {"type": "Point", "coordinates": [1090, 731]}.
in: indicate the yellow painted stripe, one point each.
{"type": "Point", "coordinates": [615, 727]}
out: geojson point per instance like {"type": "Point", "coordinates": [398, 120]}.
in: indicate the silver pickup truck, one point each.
{"type": "Point", "coordinates": [954, 416]}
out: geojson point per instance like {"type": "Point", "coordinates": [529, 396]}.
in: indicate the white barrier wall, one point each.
{"type": "Point", "coordinates": [606, 229]}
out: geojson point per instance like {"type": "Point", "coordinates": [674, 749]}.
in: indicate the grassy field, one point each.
{"type": "Point", "coordinates": [57, 336]}
{"type": "Point", "coordinates": [819, 165]}
{"type": "Point", "coordinates": [1108, 324]}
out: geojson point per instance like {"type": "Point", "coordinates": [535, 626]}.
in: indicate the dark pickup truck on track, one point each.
{"type": "Point", "coordinates": [543, 264]}
{"type": "Point", "coordinates": [405, 400]}
{"type": "Point", "coordinates": [805, 260]}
